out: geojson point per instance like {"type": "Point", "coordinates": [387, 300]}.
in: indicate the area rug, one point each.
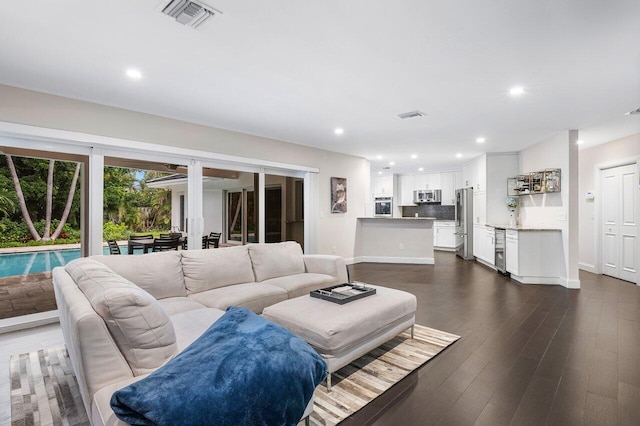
{"type": "Point", "coordinates": [44, 390]}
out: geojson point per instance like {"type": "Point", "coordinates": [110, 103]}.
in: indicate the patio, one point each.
{"type": "Point", "coordinates": [26, 294]}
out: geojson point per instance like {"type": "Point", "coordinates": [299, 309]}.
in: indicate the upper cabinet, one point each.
{"type": "Point", "coordinates": [487, 175]}
{"type": "Point", "coordinates": [445, 181]}
{"type": "Point", "coordinates": [447, 184]}
{"type": "Point", "coordinates": [406, 184]}
{"type": "Point", "coordinates": [382, 186]}
{"type": "Point", "coordinates": [475, 174]}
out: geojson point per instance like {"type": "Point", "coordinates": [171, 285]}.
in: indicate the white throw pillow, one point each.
{"type": "Point", "coordinates": [137, 322]}
{"type": "Point", "coordinates": [208, 269]}
{"type": "Point", "coordinates": [158, 273]}
{"type": "Point", "coordinates": [276, 260]}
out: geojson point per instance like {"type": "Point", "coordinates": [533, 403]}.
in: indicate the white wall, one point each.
{"type": "Point", "coordinates": [56, 112]}
{"type": "Point", "coordinates": [608, 154]}
{"type": "Point", "coordinates": [554, 210]}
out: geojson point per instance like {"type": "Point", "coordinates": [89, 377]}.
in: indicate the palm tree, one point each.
{"type": "Point", "coordinates": [49, 201]}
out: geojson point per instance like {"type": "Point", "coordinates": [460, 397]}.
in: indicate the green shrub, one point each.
{"type": "Point", "coordinates": [15, 234]}
{"type": "Point", "coordinates": [113, 231]}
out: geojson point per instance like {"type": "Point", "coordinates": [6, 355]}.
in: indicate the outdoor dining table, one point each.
{"type": "Point", "coordinates": [144, 244]}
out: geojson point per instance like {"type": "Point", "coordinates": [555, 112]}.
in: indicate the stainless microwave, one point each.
{"type": "Point", "coordinates": [422, 196]}
{"type": "Point", "coordinates": [383, 207]}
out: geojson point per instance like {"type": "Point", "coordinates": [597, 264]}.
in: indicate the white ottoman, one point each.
{"type": "Point", "coordinates": [343, 333]}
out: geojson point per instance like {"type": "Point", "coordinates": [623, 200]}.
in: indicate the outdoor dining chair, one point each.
{"type": "Point", "coordinates": [114, 248]}
{"type": "Point", "coordinates": [165, 244]}
{"type": "Point", "coordinates": [214, 239]}
{"type": "Point", "coordinates": [141, 237]}
{"type": "Point", "coordinates": [205, 243]}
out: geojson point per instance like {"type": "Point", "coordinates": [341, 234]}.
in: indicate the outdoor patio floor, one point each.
{"type": "Point", "coordinates": [26, 294]}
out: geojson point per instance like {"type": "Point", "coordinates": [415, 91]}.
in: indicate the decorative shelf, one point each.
{"type": "Point", "coordinates": [541, 182]}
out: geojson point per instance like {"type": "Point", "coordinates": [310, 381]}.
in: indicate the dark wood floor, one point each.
{"type": "Point", "coordinates": [529, 354]}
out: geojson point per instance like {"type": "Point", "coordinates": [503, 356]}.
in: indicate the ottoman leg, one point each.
{"type": "Point", "coordinates": [328, 382]}
{"type": "Point", "coordinates": [412, 331]}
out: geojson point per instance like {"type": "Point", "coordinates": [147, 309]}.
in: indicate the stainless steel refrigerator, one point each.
{"type": "Point", "coordinates": [464, 223]}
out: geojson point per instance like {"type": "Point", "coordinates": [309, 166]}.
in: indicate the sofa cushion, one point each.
{"type": "Point", "coordinates": [177, 305]}
{"type": "Point", "coordinates": [254, 296]}
{"type": "Point", "coordinates": [158, 273]}
{"type": "Point", "coordinates": [301, 284]}
{"type": "Point", "coordinates": [137, 322]}
{"type": "Point", "coordinates": [209, 269]}
{"type": "Point", "coordinates": [276, 259]}
{"type": "Point", "coordinates": [191, 324]}
{"type": "Point", "coordinates": [244, 370]}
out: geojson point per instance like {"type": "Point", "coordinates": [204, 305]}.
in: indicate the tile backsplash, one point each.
{"type": "Point", "coordinates": [430, 210]}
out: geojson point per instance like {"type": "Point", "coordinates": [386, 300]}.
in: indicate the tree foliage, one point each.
{"type": "Point", "coordinates": [128, 201]}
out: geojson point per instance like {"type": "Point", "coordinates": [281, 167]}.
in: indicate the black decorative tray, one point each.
{"type": "Point", "coordinates": [344, 293]}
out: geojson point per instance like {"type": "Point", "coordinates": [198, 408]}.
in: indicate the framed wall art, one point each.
{"type": "Point", "coordinates": [338, 195]}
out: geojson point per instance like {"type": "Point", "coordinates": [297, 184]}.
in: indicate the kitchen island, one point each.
{"type": "Point", "coordinates": [394, 240]}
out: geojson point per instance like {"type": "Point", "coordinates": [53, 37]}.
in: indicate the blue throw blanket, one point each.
{"type": "Point", "coordinates": [244, 370]}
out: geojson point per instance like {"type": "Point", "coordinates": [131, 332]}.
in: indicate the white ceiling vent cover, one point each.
{"type": "Point", "coordinates": [411, 114]}
{"type": "Point", "coordinates": [189, 12]}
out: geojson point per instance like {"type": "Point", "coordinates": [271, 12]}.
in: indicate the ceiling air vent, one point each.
{"type": "Point", "coordinates": [411, 114]}
{"type": "Point", "coordinates": [635, 111]}
{"type": "Point", "coordinates": [189, 12]}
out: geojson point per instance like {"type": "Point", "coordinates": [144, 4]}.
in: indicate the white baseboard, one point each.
{"type": "Point", "coordinates": [384, 259]}
{"type": "Point", "coordinates": [23, 322]}
{"type": "Point", "coordinates": [536, 280]}
{"type": "Point", "coordinates": [444, 248]}
{"type": "Point", "coordinates": [566, 282]}
{"type": "Point", "coordinates": [349, 260]}
{"type": "Point", "coordinates": [587, 267]}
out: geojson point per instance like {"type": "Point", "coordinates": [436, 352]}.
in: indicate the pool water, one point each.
{"type": "Point", "coordinates": [12, 264]}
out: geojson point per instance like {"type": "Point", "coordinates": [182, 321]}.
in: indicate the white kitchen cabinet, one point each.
{"type": "Point", "coordinates": [407, 186]}
{"type": "Point", "coordinates": [458, 181]}
{"type": "Point", "coordinates": [485, 246]}
{"type": "Point", "coordinates": [488, 175]}
{"type": "Point", "coordinates": [511, 252]}
{"type": "Point", "coordinates": [447, 184]}
{"type": "Point", "coordinates": [382, 186]}
{"type": "Point", "coordinates": [443, 235]}
{"type": "Point", "coordinates": [535, 256]}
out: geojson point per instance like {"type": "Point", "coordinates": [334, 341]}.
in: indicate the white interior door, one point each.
{"type": "Point", "coordinates": [619, 222]}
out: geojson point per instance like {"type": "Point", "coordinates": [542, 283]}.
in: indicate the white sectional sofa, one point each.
{"type": "Point", "coordinates": [122, 317]}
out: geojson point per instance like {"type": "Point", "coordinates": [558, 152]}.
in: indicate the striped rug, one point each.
{"type": "Point", "coordinates": [360, 382]}
{"type": "Point", "coordinates": [44, 390]}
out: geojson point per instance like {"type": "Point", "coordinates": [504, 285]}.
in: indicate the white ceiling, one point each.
{"type": "Point", "coordinates": [295, 70]}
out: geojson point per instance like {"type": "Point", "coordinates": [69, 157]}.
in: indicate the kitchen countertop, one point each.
{"type": "Point", "coordinates": [399, 218]}
{"type": "Point", "coordinates": [522, 228]}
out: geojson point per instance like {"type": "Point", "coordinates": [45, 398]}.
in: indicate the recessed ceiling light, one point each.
{"type": "Point", "coordinates": [414, 156]}
{"type": "Point", "coordinates": [458, 155]}
{"type": "Point", "coordinates": [421, 169]}
{"type": "Point", "coordinates": [338, 131]}
{"type": "Point", "coordinates": [380, 172]}
{"type": "Point", "coordinates": [379, 157]}
{"type": "Point", "coordinates": [516, 91]}
{"type": "Point", "coordinates": [392, 163]}
{"type": "Point", "coordinates": [134, 74]}
{"type": "Point", "coordinates": [579, 142]}
{"type": "Point", "coordinates": [480, 140]}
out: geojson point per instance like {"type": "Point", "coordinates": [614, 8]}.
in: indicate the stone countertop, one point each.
{"type": "Point", "coordinates": [522, 228]}
{"type": "Point", "coordinates": [397, 218]}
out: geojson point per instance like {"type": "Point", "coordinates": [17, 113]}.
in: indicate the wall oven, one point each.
{"type": "Point", "coordinates": [383, 207]}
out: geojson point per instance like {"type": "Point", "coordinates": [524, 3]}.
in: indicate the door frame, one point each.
{"type": "Point", "coordinates": [597, 223]}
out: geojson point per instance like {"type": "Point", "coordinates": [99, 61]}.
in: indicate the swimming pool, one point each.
{"type": "Point", "coordinates": [12, 264]}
